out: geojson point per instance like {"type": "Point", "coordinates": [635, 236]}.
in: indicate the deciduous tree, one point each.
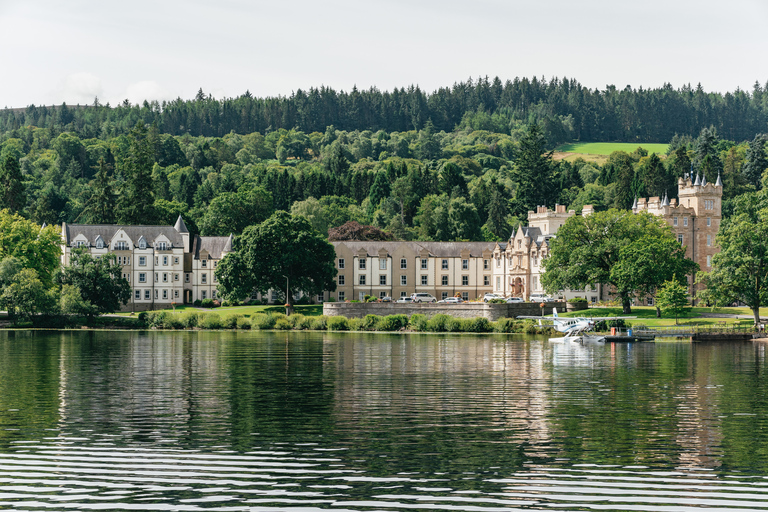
{"type": "Point", "coordinates": [99, 281]}
{"type": "Point", "coordinates": [281, 252]}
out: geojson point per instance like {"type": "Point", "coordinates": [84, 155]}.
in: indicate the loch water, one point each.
{"type": "Point", "coordinates": [269, 421]}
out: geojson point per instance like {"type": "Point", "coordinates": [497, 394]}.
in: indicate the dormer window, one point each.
{"type": "Point", "coordinates": [99, 243]}
{"type": "Point", "coordinates": [122, 245]}
{"type": "Point", "coordinates": [80, 243]}
{"type": "Point", "coordinates": [142, 243]}
{"type": "Point", "coordinates": [161, 246]}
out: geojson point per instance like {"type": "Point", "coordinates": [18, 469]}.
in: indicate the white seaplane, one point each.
{"type": "Point", "coordinates": [575, 328]}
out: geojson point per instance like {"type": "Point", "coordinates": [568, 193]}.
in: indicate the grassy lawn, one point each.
{"type": "Point", "coordinates": [606, 148]}
{"type": "Point", "coordinates": [312, 310]}
{"type": "Point", "coordinates": [647, 315]}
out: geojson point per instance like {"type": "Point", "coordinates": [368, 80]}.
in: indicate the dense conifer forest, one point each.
{"type": "Point", "coordinates": [462, 163]}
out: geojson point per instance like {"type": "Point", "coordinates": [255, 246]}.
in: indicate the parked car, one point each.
{"type": "Point", "coordinates": [451, 300]}
{"type": "Point", "coordinates": [404, 300]}
{"type": "Point", "coordinates": [386, 299]}
{"type": "Point", "coordinates": [541, 298]}
{"type": "Point", "coordinates": [423, 297]}
{"type": "Point", "coordinates": [491, 296]}
{"type": "Point", "coordinates": [512, 300]}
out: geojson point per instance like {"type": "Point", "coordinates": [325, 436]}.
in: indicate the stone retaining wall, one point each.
{"type": "Point", "coordinates": [464, 310]}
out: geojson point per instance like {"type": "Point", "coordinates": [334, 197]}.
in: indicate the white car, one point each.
{"type": "Point", "coordinates": [451, 300]}
{"type": "Point", "coordinates": [515, 300]}
{"type": "Point", "coordinates": [423, 297]}
{"type": "Point", "coordinates": [491, 296]}
{"type": "Point", "coordinates": [404, 300]}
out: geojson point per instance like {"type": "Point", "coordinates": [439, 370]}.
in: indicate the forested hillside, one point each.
{"type": "Point", "coordinates": [565, 109]}
{"type": "Point", "coordinates": [465, 163]}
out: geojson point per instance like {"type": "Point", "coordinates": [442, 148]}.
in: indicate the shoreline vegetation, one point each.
{"type": "Point", "coordinates": [271, 318]}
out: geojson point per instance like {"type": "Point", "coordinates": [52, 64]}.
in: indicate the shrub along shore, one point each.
{"type": "Point", "coordinates": [299, 322]}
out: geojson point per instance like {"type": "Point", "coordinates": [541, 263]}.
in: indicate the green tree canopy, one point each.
{"type": "Point", "coordinates": [283, 251]}
{"type": "Point", "coordinates": [35, 247]}
{"type": "Point", "coordinates": [534, 173]}
{"type": "Point", "coordinates": [232, 212]}
{"type": "Point", "coordinates": [11, 185]}
{"type": "Point", "coordinates": [99, 281]}
{"type": "Point", "coordinates": [740, 269]}
{"type": "Point", "coordinates": [602, 248]}
{"type": "Point", "coordinates": [673, 297]}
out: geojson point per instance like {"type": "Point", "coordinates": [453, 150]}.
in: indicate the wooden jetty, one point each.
{"type": "Point", "coordinates": [703, 332]}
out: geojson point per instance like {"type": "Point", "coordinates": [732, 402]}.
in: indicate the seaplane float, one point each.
{"type": "Point", "coordinates": [576, 329]}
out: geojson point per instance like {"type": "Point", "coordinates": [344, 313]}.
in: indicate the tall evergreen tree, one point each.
{"type": "Point", "coordinates": [755, 161]}
{"type": "Point", "coordinates": [534, 172]}
{"type": "Point", "coordinates": [11, 186]}
{"type": "Point", "coordinates": [136, 204]}
{"type": "Point", "coordinates": [101, 207]}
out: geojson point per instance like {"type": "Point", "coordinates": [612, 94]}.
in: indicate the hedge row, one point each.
{"type": "Point", "coordinates": [278, 321]}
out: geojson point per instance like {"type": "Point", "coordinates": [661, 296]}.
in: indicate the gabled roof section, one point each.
{"type": "Point", "coordinates": [214, 247]}
{"type": "Point", "coordinates": [108, 232]}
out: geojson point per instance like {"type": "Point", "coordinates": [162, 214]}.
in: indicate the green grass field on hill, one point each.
{"type": "Point", "coordinates": [606, 148]}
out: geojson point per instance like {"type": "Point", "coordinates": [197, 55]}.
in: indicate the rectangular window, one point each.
{"type": "Point", "coordinates": [403, 280]}
{"type": "Point", "coordinates": [165, 261]}
{"type": "Point", "coordinates": [383, 280]}
{"type": "Point", "coordinates": [465, 296]}
{"type": "Point", "coordinates": [186, 277]}
{"type": "Point", "coordinates": [534, 282]}
{"type": "Point", "coordinates": [341, 262]}
{"type": "Point", "coordinates": [382, 295]}
{"type": "Point", "coordinates": [142, 277]}
{"type": "Point", "coordinates": [709, 261]}
{"type": "Point", "coordinates": [444, 295]}
{"type": "Point", "coordinates": [403, 294]}
{"type": "Point", "coordinates": [382, 264]}
{"type": "Point", "coordinates": [176, 260]}
{"type": "Point", "coordinates": [709, 240]}
{"type": "Point", "coordinates": [176, 277]}
{"type": "Point", "coordinates": [214, 277]}
{"type": "Point", "coordinates": [464, 264]}
{"type": "Point", "coordinates": [361, 264]}
{"type": "Point", "coordinates": [341, 296]}
{"type": "Point", "coordinates": [203, 295]}
{"type": "Point", "coordinates": [341, 280]}
{"type": "Point", "coordinates": [403, 263]}
{"type": "Point", "coordinates": [213, 294]}
{"type": "Point", "coordinates": [137, 295]}
{"type": "Point", "coordinates": [444, 265]}
{"type": "Point", "coordinates": [142, 261]}
{"type": "Point", "coordinates": [486, 281]}
{"type": "Point", "coordinates": [709, 221]}
{"type": "Point", "coordinates": [121, 246]}
{"type": "Point", "coordinates": [362, 280]}
{"type": "Point", "coordinates": [423, 280]}
{"type": "Point", "coordinates": [203, 278]}
{"type": "Point", "coordinates": [485, 264]}
{"type": "Point", "coordinates": [204, 263]}
{"type": "Point", "coordinates": [156, 294]}
{"type": "Point", "coordinates": [165, 277]}
{"type": "Point", "coordinates": [498, 262]}
{"type": "Point", "coordinates": [444, 281]}
{"type": "Point", "coordinates": [498, 283]}
{"type": "Point", "coordinates": [161, 246]}
{"type": "Point", "coordinates": [680, 238]}
{"type": "Point", "coordinates": [674, 221]}
{"type": "Point", "coordinates": [423, 264]}
{"type": "Point", "coordinates": [650, 301]}
{"type": "Point", "coordinates": [320, 298]}
{"type": "Point", "coordinates": [146, 294]}
{"type": "Point", "coordinates": [464, 280]}
{"type": "Point", "coordinates": [157, 260]}
{"type": "Point", "coordinates": [80, 243]}
{"type": "Point", "coordinates": [175, 294]}
{"type": "Point", "coordinates": [157, 277]}
{"type": "Point", "coordinates": [685, 221]}
{"type": "Point", "coordinates": [165, 294]}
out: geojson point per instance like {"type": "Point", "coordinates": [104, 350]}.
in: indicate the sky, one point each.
{"type": "Point", "coordinates": [53, 51]}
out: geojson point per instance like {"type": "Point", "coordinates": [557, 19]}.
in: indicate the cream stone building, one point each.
{"type": "Point", "coordinates": [161, 263]}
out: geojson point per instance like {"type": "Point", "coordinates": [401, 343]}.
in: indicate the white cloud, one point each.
{"type": "Point", "coordinates": [80, 88]}
{"type": "Point", "coordinates": [148, 90]}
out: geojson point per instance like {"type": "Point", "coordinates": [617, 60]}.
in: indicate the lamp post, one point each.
{"type": "Point", "coordinates": [288, 306]}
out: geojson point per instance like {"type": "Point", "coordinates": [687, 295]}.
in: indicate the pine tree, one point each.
{"type": "Point", "coordinates": [11, 186]}
{"type": "Point", "coordinates": [137, 201]}
{"type": "Point", "coordinates": [755, 161]}
{"type": "Point", "coordinates": [534, 172]}
{"type": "Point", "coordinates": [101, 208]}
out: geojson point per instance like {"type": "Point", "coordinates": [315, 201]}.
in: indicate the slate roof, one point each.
{"type": "Point", "coordinates": [215, 245]}
{"type": "Point", "coordinates": [437, 249]}
{"type": "Point", "coordinates": [108, 231]}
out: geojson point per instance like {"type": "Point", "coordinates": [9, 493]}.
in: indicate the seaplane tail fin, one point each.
{"type": "Point", "coordinates": [554, 312]}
